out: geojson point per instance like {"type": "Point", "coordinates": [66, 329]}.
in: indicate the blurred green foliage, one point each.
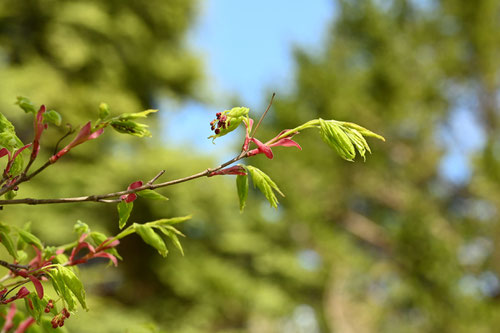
{"type": "Point", "coordinates": [389, 245]}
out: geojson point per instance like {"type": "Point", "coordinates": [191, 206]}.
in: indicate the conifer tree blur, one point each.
{"type": "Point", "coordinates": [390, 245]}
{"type": "Point", "coordinates": [405, 246]}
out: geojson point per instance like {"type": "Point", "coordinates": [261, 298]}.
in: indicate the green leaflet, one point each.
{"type": "Point", "coordinates": [8, 243]}
{"type": "Point", "coordinates": [74, 284]}
{"type": "Point", "coordinates": [336, 138]}
{"type": "Point", "coordinates": [242, 188]}
{"type": "Point", "coordinates": [265, 185]}
{"type": "Point", "coordinates": [25, 104]}
{"type": "Point", "coordinates": [11, 194]}
{"type": "Point", "coordinates": [124, 210]}
{"type": "Point", "coordinates": [362, 130]}
{"type": "Point", "coordinates": [29, 238]}
{"type": "Point", "coordinates": [99, 238]}
{"type": "Point", "coordinates": [130, 127]}
{"type": "Point", "coordinates": [142, 114]}
{"type": "Point", "coordinates": [167, 231]}
{"type": "Point", "coordinates": [9, 140]}
{"type": "Point", "coordinates": [173, 220]}
{"type": "Point", "coordinates": [149, 236]}
{"type": "Point", "coordinates": [81, 228]}
{"type": "Point", "coordinates": [346, 138]}
{"type": "Point", "coordinates": [103, 111]}
{"type": "Point", "coordinates": [52, 117]}
{"type": "Point", "coordinates": [37, 306]}
{"type": "Point", "coordinates": [150, 194]}
{"type": "Point", "coordinates": [359, 142]}
{"type": "Point", "coordinates": [58, 282]}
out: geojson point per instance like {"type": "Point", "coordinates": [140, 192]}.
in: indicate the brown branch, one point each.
{"type": "Point", "coordinates": [12, 267]}
{"type": "Point", "coordinates": [105, 198]}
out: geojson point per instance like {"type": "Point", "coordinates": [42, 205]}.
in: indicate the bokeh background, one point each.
{"type": "Point", "coordinates": [405, 242]}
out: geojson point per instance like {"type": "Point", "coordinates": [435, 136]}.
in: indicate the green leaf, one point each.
{"type": "Point", "coordinates": [29, 238]}
{"type": "Point", "coordinates": [143, 114]}
{"type": "Point", "coordinates": [173, 237]}
{"type": "Point", "coordinates": [149, 236]}
{"type": "Point", "coordinates": [21, 255]}
{"type": "Point", "coordinates": [242, 187]}
{"type": "Point", "coordinates": [359, 142]}
{"type": "Point", "coordinates": [8, 243]}
{"type": "Point", "coordinates": [265, 185]}
{"type": "Point", "coordinates": [52, 117]}
{"type": "Point", "coordinates": [8, 137]}
{"type": "Point", "coordinates": [173, 229]}
{"type": "Point", "coordinates": [130, 127]}
{"type": "Point", "coordinates": [98, 238]}
{"type": "Point", "coordinates": [10, 195]}
{"type": "Point", "coordinates": [49, 251]}
{"type": "Point", "coordinates": [150, 194]}
{"type": "Point", "coordinates": [25, 104]}
{"type": "Point", "coordinates": [60, 259]}
{"type": "Point", "coordinates": [333, 134]}
{"type": "Point", "coordinates": [103, 111]}
{"type": "Point", "coordinates": [362, 130]}
{"type": "Point", "coordinates": [173, 220]}
{"type": "Point", "coordinates": [4, 227]}
{"type": "Point", "coordinates": [74, 284]}
{"type": "Point", "coordinates": [37, 307]}
{"type": "Point", "coordinates": [10, 141]}
{"type": "Point", "coordinates": [124, 210]}
{"type": "Point", "coordinates": [59, 284]}
{"type": "Point", "coordinates": [81, 228]}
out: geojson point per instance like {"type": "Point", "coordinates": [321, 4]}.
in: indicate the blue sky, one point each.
{"type": "Point", "coordinates": [247, 50]}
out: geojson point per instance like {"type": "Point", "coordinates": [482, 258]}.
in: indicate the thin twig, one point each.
{"type": "Point", "coordinates": [263, 115]}
{"type": "Point", "coordinates": [70, 131]}
{"type": "Point", "coordinates": [156, 177]}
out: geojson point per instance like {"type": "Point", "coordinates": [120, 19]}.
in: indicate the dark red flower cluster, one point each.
{"type": "Point", "coordinates": [221, 121]}
{"type": "Point", "coordinates": [58, 320]}
{"type": "Point", "coordinates": [50, 306]}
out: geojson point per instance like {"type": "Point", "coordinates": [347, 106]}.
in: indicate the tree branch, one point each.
{"type": "Point", "coordinates": [106, 198]}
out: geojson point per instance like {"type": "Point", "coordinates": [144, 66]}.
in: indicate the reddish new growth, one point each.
{"type": "Point", "coordinates": [234, 170]}
{"type": "Point", "coordinates": [221, 122]}
{"type": "Point", "coordinates": [128, 198]}
{"type": "Point", "coordinates": [39, 126]}
{"type": "Point", "coordinates": [85, 134]}
{"type": "Point", "coordinates": [98, 252]}
{"type": "Point", "coordinates": [265, 148]}
{"type": "Point", "coordinates": [22, 293]}
{"type": "Point", "coordinates": [11, 158]}
{"type": "Point", "coordinates": [9, 321]}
